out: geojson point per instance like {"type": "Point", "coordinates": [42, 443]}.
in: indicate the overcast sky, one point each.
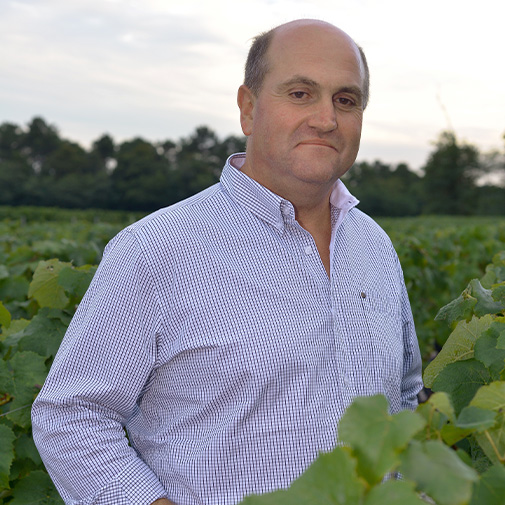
{"type": "Point", "coordinates": [160, 68]}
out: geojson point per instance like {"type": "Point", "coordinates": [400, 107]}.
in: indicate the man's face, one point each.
{"type": "Point", "coordinates": [305, 123]}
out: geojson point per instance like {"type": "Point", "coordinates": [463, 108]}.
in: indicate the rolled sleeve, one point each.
{"type": "Point", "coordinates": [94, 385]}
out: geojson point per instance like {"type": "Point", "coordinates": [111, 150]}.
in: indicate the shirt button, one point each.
{"type": "Point", "coordinates": [285, 211]}
{"type": "Point", "coordinates": [308, 250]}
{"type": "Point", "coordinates": [347, 381]}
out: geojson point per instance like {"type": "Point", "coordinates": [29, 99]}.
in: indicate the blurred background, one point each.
{"type": "Point", "coordinates": [129, 104]}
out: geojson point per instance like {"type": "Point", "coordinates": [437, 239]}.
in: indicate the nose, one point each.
{"type": "Point", "coordinates": [324, 117]}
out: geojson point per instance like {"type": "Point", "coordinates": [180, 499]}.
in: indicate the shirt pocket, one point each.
{"type": "Point", "coordinates": [373, 343]}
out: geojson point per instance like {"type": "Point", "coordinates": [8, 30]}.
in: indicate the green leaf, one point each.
{"type": "Point", "coordinates": [500, 341]}
{"type": "Point", "coordinates": [486, 350]}
{"type": "Point", "coordinates": [330, 480]}
{"type": "Point", "coordinates": [25, 449]}
{"type": "Point", "coordinates": [394, 492]}
{"type": "Point", "coordinates": [4, 272]}
{"type": "Point", "coordinates": [75, 281]}
{"type": "Point", "coordinates": [44, 287]}
{"type": "Point", "coordinates": [491, 397]}
{"type": "Point", "coordinates": [459, 309]}
{"type": "Point", "coordinates": [22, 377]}
{"type": "Point", "coordinates": [35, 489]}
{"type": "Point", "coordinates": [499, 293]}
{"type": "Point", "coordinates": [44, 333]}
{"type": "Point", "coordinates": [461, 380]}
{"type": "Point", "coordinates": [5, 316]}
{"type": "Point", "coordinates": [492, 441]}
{"type": "Point", "coordinates": [438, 472]}
{"type": "Point", "coordinates": [376, 437]}
{"type": "Point", "coordinates": [490, 489]}
{"type": "Point", "coordinates": [459, 346]}
{"type": "Point", "coordinates": [7, 438]}
{"type": "Point", "coordinates": [485, 303]}
{"type": "Point", "coordinates": [437, 410]}
{"type": "Point", "coordinates": [451, 434]}
{"type": "Point", "coordinates": [12, 335]}
{"type": "Point", "coordinates": [476, 419]}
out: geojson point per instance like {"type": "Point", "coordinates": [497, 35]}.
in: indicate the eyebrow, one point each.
{"type": "Point", "coordinates": [301, 79]}
{"type": "Point", "coordinates": [298, 79]}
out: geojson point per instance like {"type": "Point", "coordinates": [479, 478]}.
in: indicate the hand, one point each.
{"type": "Point", "coordinates": [163, 501]}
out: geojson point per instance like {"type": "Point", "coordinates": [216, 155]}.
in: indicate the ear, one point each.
{"type": "Point", "coordinates": [246, 101]}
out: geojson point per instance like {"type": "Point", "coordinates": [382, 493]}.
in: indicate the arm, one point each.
{"type": "Point", "coordinates": [93, 387]}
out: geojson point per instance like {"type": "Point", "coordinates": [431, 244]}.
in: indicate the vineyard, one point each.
{"type": "Point", "coordinates": [48, 257]}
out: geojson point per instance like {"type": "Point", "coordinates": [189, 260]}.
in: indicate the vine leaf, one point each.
{"type": "Point", "coordinates": [459, 346]}
{"type": "Point", "coordinates": [437, 410]}
{"type": "Point", "coordinates": [44, 333]}
{"type": "Point", "coordinates": [491, 397]}
{"type": "Point", "coordinates": [487, 350]}
{"type": "Point", "coordinates": [45, 288]}
{"type": "Point", "coordinates": [438, 472]}
{"type": "Point", "coordinates": [377, 438]}
{"type": "Point", "coordinates": [476, 419]}
{"type": "Point", "coordinates": [25, 449]}
{"type": "Point", "coordinates": [7, 438]}
{"type": "Point", "coordinates": [75, 280]}
{"type": "Point", "coordinates": [35, 489]}
{"type": "Point", "coordinates": [461, 380]}
{"type": "Point", "coordinates": [20, 377]}
{"type": "Point", "coordinates": [330, 480]}
{"type": "Point", "coordinates": [499, 293]}
{"type": "Point", "coordinates": [5, 316]}
{"type": "Point", "coordinates": [485, 302]}
{"type": "Point", "coordinates": [491, 487]}
{"type": "Point", "coordinates": [394, 492]}
{"type": "Point", "coordinates": [4, 272]}
{"type": "Point", "coordinates": [500, 341]}
{"type": "Point", "coordinates": [492, 441]}
{"type": "Point", "coordinates": [460, 308]}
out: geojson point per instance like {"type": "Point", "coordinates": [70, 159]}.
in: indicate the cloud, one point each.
{"type": "Point", "coordinates": [160, 68]}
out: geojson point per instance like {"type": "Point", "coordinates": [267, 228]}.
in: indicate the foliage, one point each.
{"type": "Point", "coordinates": [39, 167]}
{"type": "Point", "coordinates": [39, 294]}
{"type": "Point", "coordinates": [451, 451]}
{"type": "Point", "coordinates": [27, 349]}
{"type": "Point", "coordinates": [438, 256]}
{"type": "Point", "coordinates": [450, 176]}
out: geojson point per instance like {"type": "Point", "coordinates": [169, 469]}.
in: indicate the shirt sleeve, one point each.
{"type": "Point", "coordinates": [412, 381]}
{"type": "Point", "coordinates": [95, 383]}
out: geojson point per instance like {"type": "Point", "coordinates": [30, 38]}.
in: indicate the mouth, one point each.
{"type": "Point", "coordinates": [318, 143]}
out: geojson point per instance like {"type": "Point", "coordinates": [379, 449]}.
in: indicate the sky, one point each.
{"type": "Point", "coordinates": [160, 68]}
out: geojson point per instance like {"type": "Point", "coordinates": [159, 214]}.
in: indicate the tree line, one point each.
{"type": "Point", "coordinates": [38, 167]}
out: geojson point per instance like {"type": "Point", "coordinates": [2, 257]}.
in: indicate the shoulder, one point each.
{"type": "Point", "coordinates": [171, 230]}
{"type": "Point", "coordinates": [360, 223]}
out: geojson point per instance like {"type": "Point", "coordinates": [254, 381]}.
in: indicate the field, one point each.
{"type": "Point", "coordinates": [48, 256]}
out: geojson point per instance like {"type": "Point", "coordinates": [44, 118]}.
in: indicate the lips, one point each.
{"type": "Point", "coordinates": [318, 142]}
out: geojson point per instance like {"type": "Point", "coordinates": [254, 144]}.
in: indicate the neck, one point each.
{"type": "Point", "coordinates": [311, 200]}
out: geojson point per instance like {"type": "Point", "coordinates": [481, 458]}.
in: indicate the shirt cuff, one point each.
{"type": "Point", "coordinates": [135, 485]}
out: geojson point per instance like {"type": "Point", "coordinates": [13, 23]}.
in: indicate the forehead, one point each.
{"type": "Point", "coordinates": [319, 51]}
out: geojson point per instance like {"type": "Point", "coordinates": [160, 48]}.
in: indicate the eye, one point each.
{"type": "Point", "coordinates": [298, 94]}
{"type": "Point", "coordinates": [345, 102]}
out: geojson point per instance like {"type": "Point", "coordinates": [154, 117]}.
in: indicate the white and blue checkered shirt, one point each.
{"type": "Point", "coordinates": [212, 332]}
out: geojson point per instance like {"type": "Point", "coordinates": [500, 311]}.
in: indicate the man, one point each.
{"type": "Point", "coordinates": [230, 331]}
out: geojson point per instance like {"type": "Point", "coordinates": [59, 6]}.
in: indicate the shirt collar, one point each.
{"type": "Point", "coordinates": [270, 207]}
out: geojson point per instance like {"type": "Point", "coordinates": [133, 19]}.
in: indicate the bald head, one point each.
{"type": "Point", "coordinates": [258, 63]}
